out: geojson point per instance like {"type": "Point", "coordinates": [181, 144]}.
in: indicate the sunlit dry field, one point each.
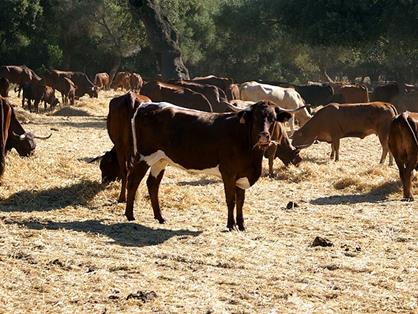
{"type": "Point", "coordinates": [65, 245]}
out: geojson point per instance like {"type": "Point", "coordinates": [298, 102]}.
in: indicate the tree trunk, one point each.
{"type": "Point", "coordinates": [163, 39]}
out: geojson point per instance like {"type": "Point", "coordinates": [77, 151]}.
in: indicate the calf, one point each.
{"type": "Point", "coordinates": [403, 144]}
{"type": "Point", "coordinates": [228, 145]}
{"type": "Point", "coordinates": [335, 121]}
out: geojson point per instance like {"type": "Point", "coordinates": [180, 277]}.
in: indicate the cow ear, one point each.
{"type": "Point", "coordinates": [282, 116]}
{"type": "Point", "coordinates": [244, 116]}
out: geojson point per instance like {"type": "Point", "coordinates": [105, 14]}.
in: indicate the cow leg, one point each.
{"type": "Point", "coordinates": [153, 184]}
{"type": "Point", "coordinates": [406, 177]}
{"type": "Point", "coordinates": [385, 150]}
{"type": "Point", "coordinates": [135, 176]}
{"type": "Point", "coordinates": [271, 154]}
{"type": "Point", "coordinates": [124, 173]}
{"type": "Point", "coordinates": [229, 186]}
{"type": "Point", "coordinates": [240, 198]}
{"type": "Point", "coordinates": [331, 156]}
{"type": "Point", "coordinates": [336, 148]}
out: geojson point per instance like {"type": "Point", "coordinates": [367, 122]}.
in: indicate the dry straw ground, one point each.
{"type": "Point", "coordinates": [66, 247]}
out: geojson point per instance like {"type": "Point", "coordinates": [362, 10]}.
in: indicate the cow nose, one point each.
{"type": "Point", "coordinates": [264, 136]}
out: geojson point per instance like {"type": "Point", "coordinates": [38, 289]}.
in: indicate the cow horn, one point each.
{"type": "Point", "coordinates": [96, 158]}
{"type": "Point", "coordinates": [43, 137]}
{"type": "Point", "coordinates": [292, 110]}
{"type": "Point", "coordinates": [232, 107]}
{"type": "Point", "coordinates": [20, 137]}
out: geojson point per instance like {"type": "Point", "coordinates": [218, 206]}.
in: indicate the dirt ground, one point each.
{"type": "Point", "coordinates": [66, 247]}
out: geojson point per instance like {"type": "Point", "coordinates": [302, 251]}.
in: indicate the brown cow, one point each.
{"type": "Point", "coordinates": [4, 87]}
{"type": "Point", "coordinates": [403, 144]}
{"type": "Point", "coordinates": [406, 102]}
{"type": "Point", "coordinates": [135, 82]}
{"type": "Point", "coordinates": [63, 84]}
{"type": "Point", "coordinates": [387, 92]}
{"type": "Point", "coordinates": [335, 121]}
{"type": "Point", "coordinates": [18, 74]}
{"type": "Point", "coordinates": [211, 92]}
{"type": "Point", "coordinates": [49, 98]}
{"type": "Point", "coordinates": [121, 80]}
{"type": "Point", "coordinates": [352, 94]}
{"type": "Point", "coordinates": [281, 148]}
{"type": "Point", "coordinates": [114, 164]}
{"type": "Point", "coordinates": [102, 81]}
{"type": "Point", "coordinates": [177, 95]}
{"type": "Point", "coordinates": [221, 82]}
{"type": "Point", "coordinates": [81, 81]}
{"type": "Point", "coordinates": [228, 145]}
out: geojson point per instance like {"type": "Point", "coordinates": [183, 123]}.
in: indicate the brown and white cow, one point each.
{"type": "Point", "coordinates": [227, 145]}
{"type": "Point", "coordinates": [102, 81]}
{"type": "Point", "coordinates": [181, 96]}
{"type": "Point", "coordinates": [403, 144]}
{"type": "Point", "coordinates": [336, 121]}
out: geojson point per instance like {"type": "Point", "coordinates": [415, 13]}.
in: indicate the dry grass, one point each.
{"type": "Point", "coordinates": [66, 246]}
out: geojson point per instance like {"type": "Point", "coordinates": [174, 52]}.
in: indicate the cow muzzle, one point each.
{"type": "Point", "coordinates": [264, 140]}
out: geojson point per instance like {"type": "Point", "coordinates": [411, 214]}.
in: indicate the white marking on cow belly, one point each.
{"type": "Point", "coordinates": [159, 160]}
{"type": "Point", "coordinates": [243, 183]}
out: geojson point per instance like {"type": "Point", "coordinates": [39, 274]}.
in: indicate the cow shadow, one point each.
{"type": "Point", "coordinates": [55, 198]}
{"type": "Point", "coordinates": [377, 194]}
{"type": "Point", "coordinates": [96, 123]}
{"type": "Point", "coordinates": [124, 234]}
{"type": "Point", "coordinates": [199, 182]}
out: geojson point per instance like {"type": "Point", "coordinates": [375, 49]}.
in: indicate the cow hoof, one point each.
{"type": "Point", "coordinates": [121, 200]}
{"type": "Point", "coordinates": [230, 228]}
{"type": "Point", "coordinates": [161, 220]}
{"type": "Point", "coordinates": [241, 228]}
{"type": "Point", "coordinates": [130, 217]}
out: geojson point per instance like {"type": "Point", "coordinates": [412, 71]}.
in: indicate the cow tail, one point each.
{"type": "Point", "coordinates": [405, 121]}
{"type": "Point", "coordinates": [2, 141]}
{"type": "Point", "coordinates": [133, 141]}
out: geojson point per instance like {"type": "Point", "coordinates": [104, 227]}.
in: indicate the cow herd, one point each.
{"type": "Point", "coordinates": [211, 125]}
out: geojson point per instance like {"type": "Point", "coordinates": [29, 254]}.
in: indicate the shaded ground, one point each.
{"type": "Point", "coordinates": [65, 245]}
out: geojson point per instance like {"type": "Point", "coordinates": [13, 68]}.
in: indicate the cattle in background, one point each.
{"type": "Point", "coordinates": [63, 84]}
{"type": "Point", "coordinates": [18, 74]}
{"type": "Point", "coordinates": [316, 95]}
{"type": "Point", "coordinates": [102, 81]}
{"type": "Point", "coordinates": [135, 82]}
{"type": "Point", "coordinates": [235, 91]}
{"type": "Point", "coordinates": [121, 80]}
{"type": "Point", "coordinates": [178, 95]}
{"type": "Point", "coordinates": [4, 87]}
{"type": "Point", "coordinates": [351, 94]}
{"type": "Point", "coordinates": [221, 82]}
{"type": "Point", "coordinates": [336, 121]}
{"type": "Point", "coordinates": [406, 102]}
{"type": "Point", "coordinates": [211, 92]}
{"type": "Point", "coordinates": [403, 144]}
{"type": "Point", "coordinates": [284, 97]}
{"type": "Point", "coordinates": [281, 148]}
{"type": "Point", "coordinates": [228, 145]}
{"type": "Point", "coordinates": [114, 164]}
{"type": "Point", "coordinates": [82, 83]}
{"type": "Point", "coordinates": [387, 92]}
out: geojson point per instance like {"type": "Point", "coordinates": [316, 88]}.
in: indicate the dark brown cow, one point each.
{"type": "Point", "coordinates": [335, 121]}
{"type": "Point", "coordinates": [177, 95]}
{"type": "Point", "coordinates": [17, 74]}
{"type": "Point", "coordinates": [49, 98]}
{"type": "Point", "coordinates": [102, 81]}
{"type": "Point", "coordinates": [352, 94]}
{"type": "Point", "coordinates": [135, 82]}
{"type": "Point", "coordinates": [228, 145]}
{"type": "Point", "coordinates": [282, 148]}
{"type": "Point", "coordinates": [121, 80]}
{"type": "Point", "coordinates": [114, 164]}
{"type": "Point", "coordinates": [387, 92]}
{"type": "Point", "coordinates": [403, 144]}
{"type": "Point", "coordinates": [211, 92]}
{"type": "Point", "coordinates": [33, 90]}
{"type": "Point", "coordinates": [82, 83]}
{"type": "Point", "coordinates": [63, 84]}
{"type": "Point", "coordinates": [4, 87]}
{"type": "Point", "coordinates": [316, 95]}
{"type": "Point", "coordinates": [220, 82]}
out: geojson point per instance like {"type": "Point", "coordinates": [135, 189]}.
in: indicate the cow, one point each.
{"type": "Point", "coordinates": [223, 83]}
{"type": "Point", "coordinates": [406, 102]}
{"type": "Point", "coordinates": [351, 94]}
{"type": "Point", "coordinates": [281, 148]}
{"type": "Point", "coordinates": [32, 90]}
{"type": "Point", "coordinates": [135, 82]}
{"type": "Point", "coordinates": [114, 164]}
{"type": "Point", "coordinates": [13, 135]}
{"type": "Point", "coordinates": [228, 145]}
{"type": "Point", "coordinates": [387, 92]}
{"type": "Point", "coordinates": [181, 96]}
{"type": "Point", "coordinates": [82, 82]}
{"type": "Point", "coordinates": [102, 81]}
{"type": "Point", "coordinates": [336, 121]}
{"type": "Point", "coordinates": [17, 74]}
{"type": "Point", "coordinates": [49, 98]}
{"type": "Point", "coordinates": [121, 80]}
{"type": "Point", "coordinates": [211, 92]}
{"type": "Point", "coordinates": [63, 84]}
{"type": "Point", "coordinates": [403, 145]}
{"type": "Point", "coordinates": [315, 95]}
{"type": "Point", "coordinates": [4, 87]}
{"type": "Point", "coordinates": [283, 97]}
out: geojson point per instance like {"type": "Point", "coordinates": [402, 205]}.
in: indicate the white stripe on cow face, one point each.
{"type": "Point", "coordinates": [159, 160]}
{"type": "Point", "coordinates": [243, 183]}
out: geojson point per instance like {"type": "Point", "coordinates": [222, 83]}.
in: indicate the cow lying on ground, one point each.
{"type": "Point", "coordinates": [403, 144]}
{"type": "Point", "coordinates": [283, 97]}
{"type": "Point", "coordinates": [336, 121]}
{"type": "Point", "coordinates": [228, 145]}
